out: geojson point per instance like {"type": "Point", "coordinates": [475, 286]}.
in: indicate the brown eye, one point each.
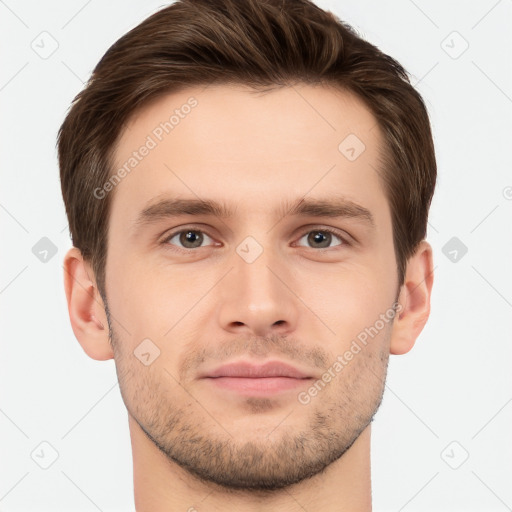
{"type": "Point", "coordinates": [322, 238]}
{"type": "Point", "coordinates": [187, 238]}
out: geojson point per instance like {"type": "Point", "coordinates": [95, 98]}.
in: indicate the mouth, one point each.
{"type": "Point", "coordinates": [256, 380]}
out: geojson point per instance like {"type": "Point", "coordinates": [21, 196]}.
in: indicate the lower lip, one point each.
{"type": "Point", "coordinates": [257, 386]}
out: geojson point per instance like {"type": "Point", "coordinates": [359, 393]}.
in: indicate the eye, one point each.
{"type": "Point", "coordinates": [191, 238]}
{"type": "Point", "coordinates": [322, 238]}
{"type": "Point", "coordinates": [188, 238]}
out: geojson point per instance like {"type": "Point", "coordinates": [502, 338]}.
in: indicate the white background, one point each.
{"type": "Point", "coordinates": [455, 385]}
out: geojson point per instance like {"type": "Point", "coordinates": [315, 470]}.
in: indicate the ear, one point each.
{"type": "Point", "coordinates": [415, 300]}
{"type": "Point", "coordinates": [85, 307]}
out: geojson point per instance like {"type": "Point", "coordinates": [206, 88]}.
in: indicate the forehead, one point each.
{"type": "Point", "coordinates": [234, 143]}
{"type": "Point", "coordinates": [273, 123]}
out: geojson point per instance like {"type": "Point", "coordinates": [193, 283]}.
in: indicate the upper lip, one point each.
{"type": "Point", "coordinates": [251, 370]}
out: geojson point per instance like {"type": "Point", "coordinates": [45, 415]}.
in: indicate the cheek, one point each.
{"type": "Point", "coordinates": [155, 300]}
{"type": "Point", "coordinates": [350, 303]}
{"type": "Point", "coordinates": [135, 299]}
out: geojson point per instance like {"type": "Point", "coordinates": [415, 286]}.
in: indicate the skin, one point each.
{"type": "Point", "coordinates": [196, 447]}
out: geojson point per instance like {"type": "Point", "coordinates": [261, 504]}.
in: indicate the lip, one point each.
{"type": "Point", "coordinates": [257, 380]}
{"type": "Point", "coordinates": [243, 369]}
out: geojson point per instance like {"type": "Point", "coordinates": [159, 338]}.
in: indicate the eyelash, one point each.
{"type": "Point", "coordinates": [165, 242]}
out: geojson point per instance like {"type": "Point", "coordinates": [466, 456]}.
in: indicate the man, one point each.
{"type": "Point", "coordinates": [247, 185]}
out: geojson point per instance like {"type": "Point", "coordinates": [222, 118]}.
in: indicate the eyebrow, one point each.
{"type": "Point", "coordinates": [337, 207]}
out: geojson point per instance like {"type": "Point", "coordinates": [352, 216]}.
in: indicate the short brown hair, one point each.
{"type": "Point", "coordinates": [259, 43]}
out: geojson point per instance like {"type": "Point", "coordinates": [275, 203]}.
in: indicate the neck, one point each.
{"type": "Point", "coordinates": [160, 485]}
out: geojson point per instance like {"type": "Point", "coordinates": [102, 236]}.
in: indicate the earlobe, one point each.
{"type": "Point", "coordinates": [85, 307]}
{"type": "Point", "coordinates": [414, 299]}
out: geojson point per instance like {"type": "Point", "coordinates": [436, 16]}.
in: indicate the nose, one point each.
{"type": "Point", "coordinates": [259, 297]}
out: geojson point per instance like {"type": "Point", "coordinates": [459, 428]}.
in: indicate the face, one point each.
{"type": "Point", "coordinates": [301, 272]}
